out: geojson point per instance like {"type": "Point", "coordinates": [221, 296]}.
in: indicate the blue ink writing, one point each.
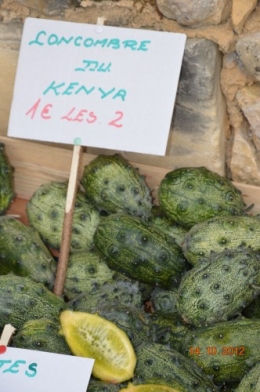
{"type": "Point", "coordinates": [33, 371]}
{"type": "Point", "coordinates": [44, 39]}
{"type": "Point", "coordinates": [92, 65]}
{"type": "Point", "coordinates": [14, 367]}
{"type": "Point", "coordinates": [74, 88]}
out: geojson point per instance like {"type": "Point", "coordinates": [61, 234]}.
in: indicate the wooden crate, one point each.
{"type": "Point", "coordinates": [36, 163]}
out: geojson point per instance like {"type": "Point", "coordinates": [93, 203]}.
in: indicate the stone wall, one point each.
{"type": "Point", "coordinates": [216, 119]}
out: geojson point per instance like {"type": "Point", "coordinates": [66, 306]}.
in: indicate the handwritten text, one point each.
{"type": "Point", "coordinates": [14, 367]}
{"type": "Point", "coordinates": [44, 39]}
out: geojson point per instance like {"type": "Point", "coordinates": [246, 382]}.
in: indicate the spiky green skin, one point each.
{"type": "Point", "coordinates": [158, 362]}
{"type": "Point", "coordinates": [236, 343]}
{"type": "Point", "coordinates": [86, 271]}
{"type": "Point", "coordinates": [139, 251]}
{"type": "Point", "coordinates": [6, 181]}
{"type": "Point", "coordinates": [123, 289]}
{"type": "Point", "coordinates": [22, 299]}
{"type": "Point", "coordinates": [102, 386]}
{"type": "Point", "coordinates": [192, 195]}
{"type": "Point", "coordinates": [45, 211]}
{"type": "Point", "coordinates": [251, 380]}
{"type": "Point", "coordinates": [41, 335]}
{"type": "Point", "coordinates": [219, 288]}
{"type": "Point", "coordinates": [130, 319]}
{"type": "Point", "coordinates": [168, 226]}
{"type": "Point", "coordinates": [167, 329]}
{"type": "Point", "coordinates": [164, 300]}
{"type": "Point", "coordinates": [220, 233]}
{"type": "Point", "coordinates": [114, 185]}
{"type": "Point", "coordinates": [23, 252]}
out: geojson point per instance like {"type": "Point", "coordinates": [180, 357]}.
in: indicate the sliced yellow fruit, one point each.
{"type": "Point", "coordinates": [89, 335]}
{"type": "Point", "coordinates": [149, 388]}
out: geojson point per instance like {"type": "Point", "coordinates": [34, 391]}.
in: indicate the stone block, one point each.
{"type": "Point", "coordinates": [10, 39]}
{"type": "Point", "coordinates": [241, 9]}
{"type": "Point", "coordinates": [195, 13]}
{"type": "Point", "coordinates": [248, 50]}
{"type": "Point", "coordinates": [248, 100]}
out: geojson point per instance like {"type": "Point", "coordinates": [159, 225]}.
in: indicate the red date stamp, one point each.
{"type": "Point", "coordinates": [223, 350]}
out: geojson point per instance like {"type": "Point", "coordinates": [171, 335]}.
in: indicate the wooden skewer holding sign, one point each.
{"type": "Point", "coordinates": [67, 222]}
{"type": "Point", "coordinates": [6, 337]}
{"type": "Point", "coordinates": [69, 211]}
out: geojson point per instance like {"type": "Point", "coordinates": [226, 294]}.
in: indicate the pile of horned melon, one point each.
{"type": "Point", "coordinates": [181, 277]}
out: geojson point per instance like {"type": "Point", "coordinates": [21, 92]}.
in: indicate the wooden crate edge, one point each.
{"type": "Point", "coordinates": [36, 163]}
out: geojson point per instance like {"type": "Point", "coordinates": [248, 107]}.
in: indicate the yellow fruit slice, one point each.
{"type": "Point", "coordinates": [149, 388]}
{"type": "Point", "coordinates": [89, 335]}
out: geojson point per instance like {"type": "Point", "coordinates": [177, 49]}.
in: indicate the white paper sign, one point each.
{"type": "Point", "coordinates": [108, 87]}
{"type": "Point", "coordinates": [37, 371]}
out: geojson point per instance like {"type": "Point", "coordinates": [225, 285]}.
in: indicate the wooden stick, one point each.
{"type": "Point", "coordinates": [67, 222]}
{"type": "Point", "coordinates": [6, 335]}
{"type": "Point", "coordinates": [68, 216]}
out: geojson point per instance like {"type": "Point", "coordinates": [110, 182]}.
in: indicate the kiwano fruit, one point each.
{"type": "Point", "coordinates": [139, 251]}
{"type": "Point", "coordinates": [251, 380]}
{"type": "Point", "coordinates": [114, 185]}
{"type": "Point", "coordinates": [194, 194]}
{"type": "Point", "coordinates": [86, 271]}
{"type": "Point", "coordinates": [45, 211]}
{"type": "Point", "coordinates": [167, 328]}
{"type": "Point", "coordinates": [41, 335]}
{"type": "Point", "coordinates": [225, 350]}
{"type": "Point", "coordinates": [164, 300]}
{"type": "Point", "coordinates": [6, 181]}
{"type": "Point", "coordinates": [160, 364]}
{"type": "Point", "coordinates": [220, 233]}
{"type": "Point", "coordinates": [23, 252]}
{"type": "Point", "coordinates": [130, 319]}
{"type": "Point", "coordinates": [173, 229]}
{"type": "Point", "coordinates": [219, 288]}
{"type": "Point", "coordinates": [121, 288]}
{"type": "Point", "coordinates": [22, 299]}
{"type": "Point", "coordinates": [101, 386]}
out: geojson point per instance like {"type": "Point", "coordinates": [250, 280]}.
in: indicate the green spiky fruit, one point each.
{"type": "Point", "coordinates": [23, 252]}
{"type": "Point", "coordinates": [45, 211]}
{"type": "Point", "coordinates": [225, 350]}
{"type": "Point", "coordinates": [102, 386]}
{"type": "Point", "coordinates": [251, 380]}
{"type": "Point", "coordinates": [114, 185]}
{"type": "Point", "coordinates": [160, 364]}
{"type": "Point", "coordinates": [167, 328]}
{"type": "Point", "coordinates": [130, 319]}
{"type": "Point", "coordinates": [164, 300]}
{"type": "Point", "coordinates": [141, 252]}
{"type": "Point", "coordinates": [22, 299]}
{"type": "Point", "coordinates": [220, 287]}
{"type": "Point", "coordinates": [123, 289]}
{"type": "Point", "coordinates": [6, 181]}
{"type": "Point", "coordinates": [41, 335]}
{"type": "Point", "coordinates": [168, 226]}
{"type": "Point", "coordinates": [193, 194]}
{"type": "Point", "coordinates": [86, 271]}
{"type": "Point", "coordinates": [220, 233]}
